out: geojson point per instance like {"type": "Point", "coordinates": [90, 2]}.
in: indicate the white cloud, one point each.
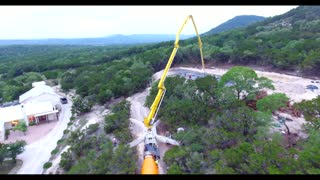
{"type": "Point", "coordinates": [26, 22]}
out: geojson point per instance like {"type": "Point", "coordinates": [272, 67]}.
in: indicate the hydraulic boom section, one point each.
{"type": "Point", "coordinates": [150, 119]}
{"type": "Point", "coordinates": [150, 136]}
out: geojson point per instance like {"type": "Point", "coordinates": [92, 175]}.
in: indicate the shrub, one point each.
{"type": "Point", "coordinates": [72, 118]}
{"type": "Point", "coordinates": [66, 131]}
{"type": "Point", "coordinates": [60, 141]}
{"type": "Point", "coordinates": [47, 165]}
{"type": "Point", "coordinates": [66, 160]}
{"type": "Point", "coordinates": [92, 128]}
{"type": "Point", "coordinates": [55, 151]}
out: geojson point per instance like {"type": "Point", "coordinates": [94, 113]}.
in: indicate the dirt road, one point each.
{"type": "Point", "coordinates": [138, 112]}
{"type": "Point", "coordinates": [39, 152]}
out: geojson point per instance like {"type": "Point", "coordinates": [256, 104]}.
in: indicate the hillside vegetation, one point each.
{"type": "Point", "coordinates": [290, 42]}
{"type": "Point", "coordinates": [236, 22]}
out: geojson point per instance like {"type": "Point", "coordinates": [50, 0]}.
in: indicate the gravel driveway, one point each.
{"type": "Point", "coordinates": [39, 152]}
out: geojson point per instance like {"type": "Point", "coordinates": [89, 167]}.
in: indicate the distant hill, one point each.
{"type": "Point", "coordinates": [109, 40]}
{"type": "Point", "coordinates": [290, 41]}
{"type": "Point", "coordinates": [236, 22]}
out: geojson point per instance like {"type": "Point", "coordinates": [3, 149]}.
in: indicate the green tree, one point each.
{"type": "Point", "coordinates": [311, 111]}
{"type": "Point", "coordinates": [272, 102]}
{"type": "Point", "coordinates": [81, 105]}
{"type": "Point", "coordinates": [309, 157]}
{"type": "Point", "coordinates": [21, 126]}
{"type": "Point", "coordinates": [123, 160]}
{"type": "Point", "coordinates": [47, 165]}
{"type": "Point", "coordinates": [3, 152]}
{"type": "Point", "coordinates": [118, 122]}
{"type": "Point", "coordinates": [66, 161]}
{"type": "Point", "coordinates": [244, 82]}
{"type": "Point", "coordinates": [15, 149]}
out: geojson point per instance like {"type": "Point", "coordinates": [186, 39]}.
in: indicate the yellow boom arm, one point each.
{"type": "Point", "coordinates": [149, 120]}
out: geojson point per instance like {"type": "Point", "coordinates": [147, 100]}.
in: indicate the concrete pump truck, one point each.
{"type": "Point", "coordinates": [150, 136]}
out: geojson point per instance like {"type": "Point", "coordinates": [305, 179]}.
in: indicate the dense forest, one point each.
{"type": "Point", "coordinates": [91, 150]}
{"type": "Point", "coordinates": [242, 142]}
{"type": "Point", "coordinates": [289, 42]}
{"type": "Point", "coordinates": [205, 107]}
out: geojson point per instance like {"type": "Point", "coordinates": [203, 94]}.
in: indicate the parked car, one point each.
{"type": "Point", "coordinates": [63, 100]}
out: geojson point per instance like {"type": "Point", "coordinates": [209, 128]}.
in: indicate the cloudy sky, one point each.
{"type": "Point", "coordinates": [34, 22]}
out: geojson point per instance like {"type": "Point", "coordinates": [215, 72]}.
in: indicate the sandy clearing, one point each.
{"type": "Point", "coordinates": [95, 116]}
{"type": "Point", "coordinates": [33, 134]}
{"type": "Point", "coordinates": [138, 112]}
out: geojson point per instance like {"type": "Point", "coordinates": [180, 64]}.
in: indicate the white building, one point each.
{"type": "Point", "coordinates": [40, 111]}
{"type": "Point", "coordinates": [40, 93]}
{"type": "Point", "coordinates": [38, 105]}
{"type": "Point", "coordinates": [9, 116]}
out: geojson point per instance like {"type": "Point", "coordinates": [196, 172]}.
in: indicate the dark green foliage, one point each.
{"type": "Point", "coordinates": [309, 157]}
{"type": "Point", "coordinates": [231, 140]}
{"type": "Point", "coordinates": [11, 150]}
{"type": "Point", "coordinates": [114, 79]}
{"type": "Point", "coordinates": [66, 161]}
{"type": "Point", "coordinates": [59, 56]}
{"type": "Point", "coordinates": [93, 153]}
{"type": "Point", "coordinates": [55, 151]}
{"type": "Point", "coordinates": [108, 161]}
{"type": "Point", "coordinates": [66, 131]}
{"type": "Point", "coordinates": [118, 122]}
{"type": "Point", "coordinates": [21, 126]}
{"type": "Point", "coordinates": [53, 74]}
{"type": "Point", "coordinates": [272, 102]}
{"type": "Point", "coordinates": [81, 106]}
{"type": "Point", "coordinates": [98, 156]}
{"type": "Point", "coordinates": [60, 141]}
{"type": "Point", "coordinates": [92, 128]}
{"type": "Point", "coordinates": [178, 106]}
{"type": "Point", "coordinates": [3, 152]}
{"type": "Point", "coordinates": [15, 149]}
{"type": "Point", "coordinates": [311, 111]}
{"type": "Point", "coordinates": [32, 123]}
{"type": "Point", "coordinates": [260, 157]}
{"type": "Point", "coordinates": [123, 160]}
{"type": "Point", "coordinates": [47, 165]}
{"type": "Point", "coordinates": [12, 88]}
{"type": "Point", "coordinates": [244, 82]}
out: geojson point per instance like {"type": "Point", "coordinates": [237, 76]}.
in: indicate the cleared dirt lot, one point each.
{"type": "Point", "coordinates": [33, 134]}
